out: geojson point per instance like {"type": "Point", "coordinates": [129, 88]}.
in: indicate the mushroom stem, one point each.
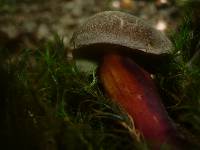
{"type": "Point", "coordinates": [133, 89]}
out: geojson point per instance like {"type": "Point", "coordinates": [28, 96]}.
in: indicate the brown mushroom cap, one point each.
{"type": "Point", "coordinates": [122, 29]}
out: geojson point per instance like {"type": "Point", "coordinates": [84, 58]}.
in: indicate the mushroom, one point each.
{"type": "Point", "coordinates": [117, 40]}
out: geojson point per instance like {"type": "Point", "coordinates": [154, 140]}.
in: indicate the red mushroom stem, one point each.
{"type": "Point", "coordinates": [134, 90]}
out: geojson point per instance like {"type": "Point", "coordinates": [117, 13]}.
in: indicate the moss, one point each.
{"type": "Point", "coordinates": [180, 82]}
{"type": "Point", "coordinates": [49, 104]}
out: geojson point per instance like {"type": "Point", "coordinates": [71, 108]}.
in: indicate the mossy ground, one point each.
{"type": "Point", "coordinates": [46, 103]}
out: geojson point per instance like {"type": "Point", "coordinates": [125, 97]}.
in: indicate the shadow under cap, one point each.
{"type": "Point", "coordinates": [95, 52]}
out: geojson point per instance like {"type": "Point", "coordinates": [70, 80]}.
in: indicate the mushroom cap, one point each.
{"type": "Point", "coordinates": [121, 29]}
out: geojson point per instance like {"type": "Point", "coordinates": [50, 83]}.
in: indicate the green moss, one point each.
{"type": "Point", "coordinates": [50, 104]}
{"type": "Point", "coordinates": [181, 81]}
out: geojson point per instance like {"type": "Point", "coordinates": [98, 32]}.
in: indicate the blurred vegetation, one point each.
{"type": "Point", "coordinates": [15, 2]}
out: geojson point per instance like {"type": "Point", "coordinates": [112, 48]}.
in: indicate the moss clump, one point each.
{"type": "Point", "coordinates": [48, 104]}
{"type": "Point", "coordinates": [180, 80]}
